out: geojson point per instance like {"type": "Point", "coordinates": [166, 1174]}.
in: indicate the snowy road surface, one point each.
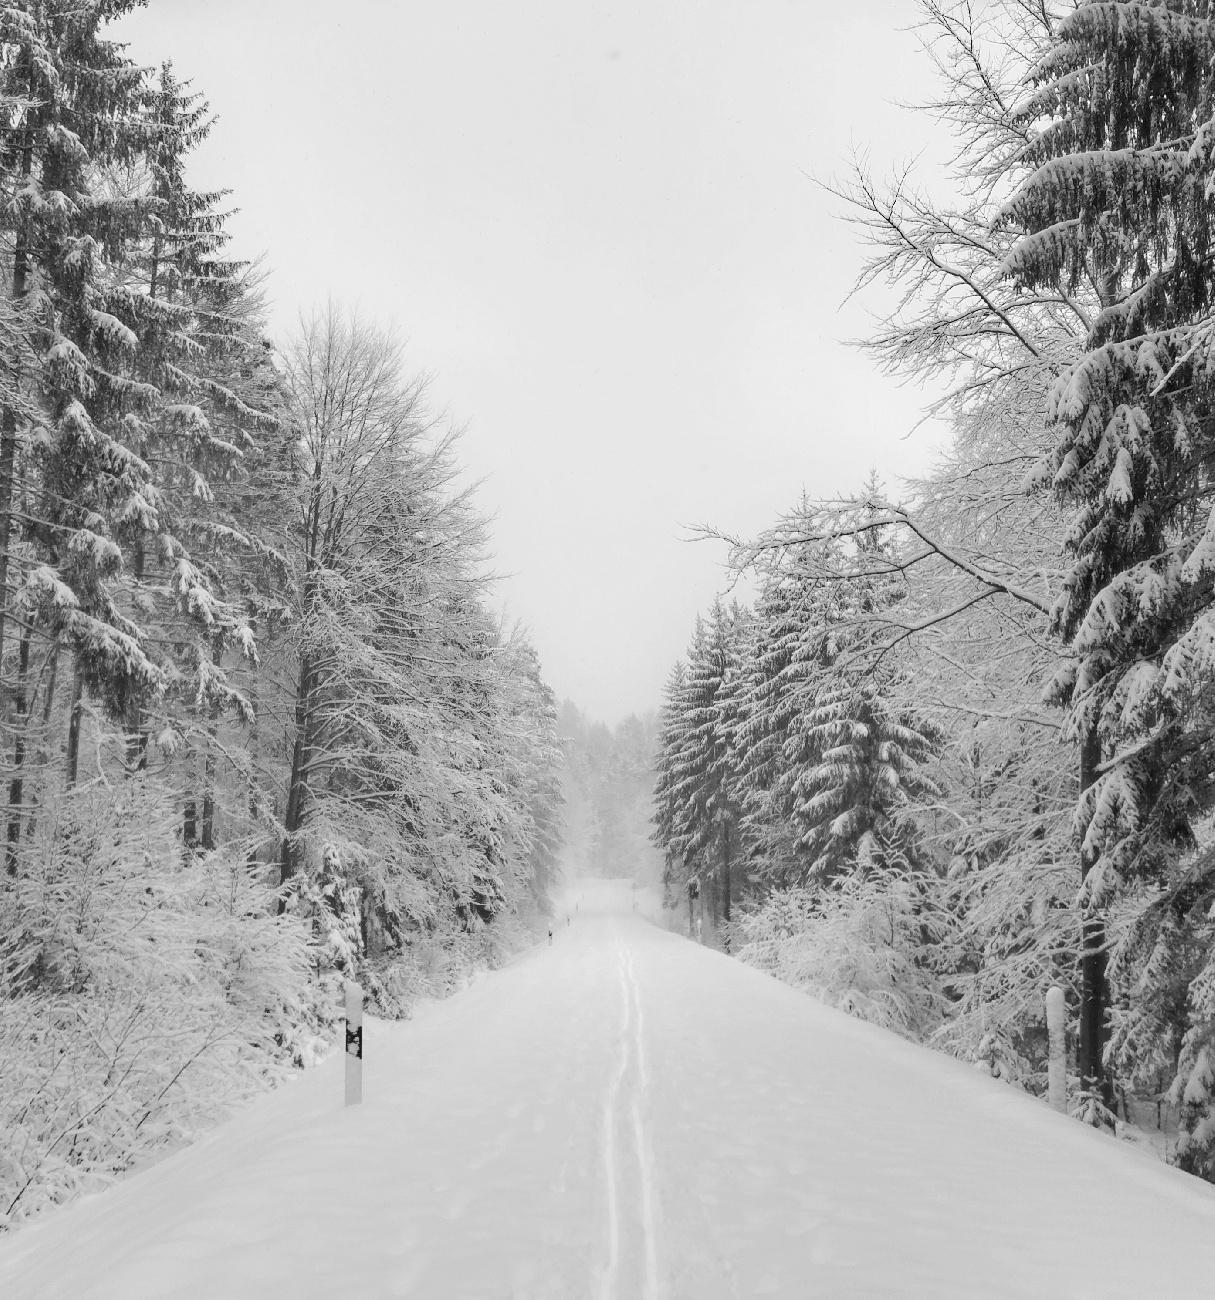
{"type": "Point", "coordinates": [626, 1114]}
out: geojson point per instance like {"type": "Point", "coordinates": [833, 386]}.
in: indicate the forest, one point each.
{"type": "Point", "coordinates": [960, 746]}
{"type": "Point", "coordinates": [262, 726]}
{"type": "Point", "coordinates": [607, 788]}
{"type": "Point", "coordinates": [941, 754]}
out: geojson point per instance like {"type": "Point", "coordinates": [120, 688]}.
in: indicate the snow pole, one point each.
{"type": "Point", "coordinates": [1056, 1069]}
{"type": "Point", "coordinates": [354, 1043]}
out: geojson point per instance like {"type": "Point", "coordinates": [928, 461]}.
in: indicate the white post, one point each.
{"type": "Point", "coordinates": [1056, 1068]}
{"type": "Point", "coordinates": [354, 1043]}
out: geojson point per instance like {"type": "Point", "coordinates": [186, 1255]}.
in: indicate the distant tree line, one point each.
{"type": "Point", "coordinates": [962, 747]}
{"type": "Point", "coordinates": [607, 789]}
{"type": "Point", "coordinates": [259, 726]}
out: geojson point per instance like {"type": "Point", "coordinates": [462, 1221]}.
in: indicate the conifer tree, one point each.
{"type": "Point", "coordinates": [79, 113]}
{"type": "Point", "coordinates": [672, 737]}
{"type": "Point", "coordinates": [841, 759]}
{"type": "Point", "coordinates": [1117, 206]}
{"type": "Point", "coordinates": [697, 800]}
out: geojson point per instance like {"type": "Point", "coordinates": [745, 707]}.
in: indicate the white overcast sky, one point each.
{"type": "Point", "coordinates": [594, 224]}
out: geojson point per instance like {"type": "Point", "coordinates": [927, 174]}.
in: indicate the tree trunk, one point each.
{"type": "Point", "coordinates": [8, 454]}
{"type": "Point", "coordinates": [301, 751]}
{"type": "Point", "coordinates": [42, 756]}
{"type": "Point", "coordinates": [16, 786]}
{"type": "Point", "coordinates": [136, 733]}
{"type": "Point", "coordinates": [1094, 984]}
{"type": "Point", "coordinates": [74, 717]}
{"type": "Point", "coordinates": [725, 871]}
{"type": "Point", "coordinates": [189, 822]}
{"type": "Point", "coordinates": [137, 739]}
{"type": "Point", "coordinates": [207, 836]}
{"type": "Point", "coordinates": [208, 803]}
{"type": "Point", "coordinates": [301, 757]}
{"type": "Point", "coordinates": [8, 420]}
{"type": "Point", "coordinates": [255, 763]}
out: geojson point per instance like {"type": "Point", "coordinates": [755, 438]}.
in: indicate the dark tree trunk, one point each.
{"type": "Point", "coordinates": [301, 757]}
{"type": "Point", "coordinates": [725, 871]}
{"type": "Point", "coordinates": [208, 802]}
{"type": "Point", "coordinates": [48, 704]}
{"type": "Point", "coordinates": [137, 739]}
{"type": "Point", "coordinates": [189, 823]}
{"type": "Point", "coordinates": [1094, 983]}
{"type": "Point", "coordinates": [254, 762]}
{"type": "Point", "coordinates": [16, 786]}
{"type": "Point", "coordinates": [74, 718]}
{"type": "Point", "coordinates": [8, 418]}
{"type": "Point", "coordinates": [8, 453]}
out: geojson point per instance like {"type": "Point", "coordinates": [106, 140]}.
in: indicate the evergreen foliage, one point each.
{"type": "Point", "coordinates": [697, 798]}
{"type": "Point", "coordinates": [1118, 200]}
{"type": "Point", "coordinates": [259, 725]}
{"type": "Point", "coordinates": [1016, 652]}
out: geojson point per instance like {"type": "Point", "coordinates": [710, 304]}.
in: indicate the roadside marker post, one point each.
{"type": "Point", "coordinates": [354, 1043]}
{"type": "Point", "coordinates": [1056, 1066]}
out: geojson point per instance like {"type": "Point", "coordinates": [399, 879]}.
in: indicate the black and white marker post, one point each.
{"type": "Point", "coordinates": [354, 1044]}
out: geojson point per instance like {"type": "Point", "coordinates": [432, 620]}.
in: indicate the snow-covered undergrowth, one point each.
{"type": "Point", "coordinates": [436, 966]}
{"type": "Point", "coordinates": [861, 947]}
{"type": "Point", "coordinates": [145, 993]}
{"type": "Point", "coordinates": [141, 995]}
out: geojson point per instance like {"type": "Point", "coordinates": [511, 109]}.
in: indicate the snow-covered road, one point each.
{"type": "Point", "coordinates": [627, 1114]}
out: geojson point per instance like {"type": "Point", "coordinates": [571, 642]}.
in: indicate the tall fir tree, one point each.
{"type": "Point", "coordinates": [698, 806]}
{"type": "Point", "coordinates": [1117, 208]}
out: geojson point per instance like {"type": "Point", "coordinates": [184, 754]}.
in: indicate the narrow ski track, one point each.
{"type": "Point", "coordinates": [631, 1222]}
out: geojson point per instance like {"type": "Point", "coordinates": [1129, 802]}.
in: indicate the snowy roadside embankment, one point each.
{"type": "Point", "coordinates": [627, 1114]}
{"type": "Point", "coordinates": [144, 996]}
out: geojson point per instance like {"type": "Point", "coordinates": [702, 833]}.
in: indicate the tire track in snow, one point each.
{"type": "Point", "coordinates": [628, 1166]}
{"type": "Point", "coordinates": [645, 1156]}
{"type": "Point", "coordinates": [610, 1171]}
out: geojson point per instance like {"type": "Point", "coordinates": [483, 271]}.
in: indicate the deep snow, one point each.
{"type": "Point", "coordinates": [627, 1114]}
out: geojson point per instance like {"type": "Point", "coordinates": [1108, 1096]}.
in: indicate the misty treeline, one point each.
{"type": "Point", "coordinates": [961, 747]}
{"type": "Point", "coordinates": [260, 727]}
{"type": "Point", "coordinates": [607, 788]}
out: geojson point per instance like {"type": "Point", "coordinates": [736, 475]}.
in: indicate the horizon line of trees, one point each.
{"type": "Point", "coordinates": [962, 747]}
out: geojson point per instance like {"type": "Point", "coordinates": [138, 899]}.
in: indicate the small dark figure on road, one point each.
{"type": "Point", "coordinates": [550, 936]}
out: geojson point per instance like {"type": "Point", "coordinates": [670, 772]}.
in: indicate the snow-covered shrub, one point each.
{"type": "Point", "coordinates": [1165, 1029]}
{"type": "Point", "coordinates": [141, 993]}
{"type": "Point", "coordinates": [864, 946]}
{"type": "Point", "coordinates": [440, 964]}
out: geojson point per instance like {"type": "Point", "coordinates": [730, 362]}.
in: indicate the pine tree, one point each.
{"type": "Point", "coordinates": [1117, 207]}
{"type": "Point", "coordinates": [837, 756]}
{"type": "Point", "coordinates": [72, 114]}
{"type": "Point", "coordinates": [81, 113]}
{"type": "Point", "coordinates": [672, 734]}
{"type": "Point", "coordinates": [199, 344]}
{"type": "Point", "coordinates": [697, 802]}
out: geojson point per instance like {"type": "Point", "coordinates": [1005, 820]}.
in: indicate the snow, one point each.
{"type": "Point", "coordinates": [628, 1114]}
